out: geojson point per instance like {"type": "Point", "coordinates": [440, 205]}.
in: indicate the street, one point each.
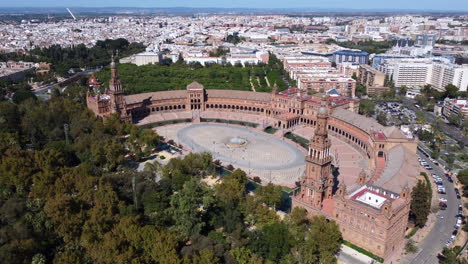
{"type": "Point", "coordinates": [46, 89]}
{"type": "Point", "coordinates": [435, 241]}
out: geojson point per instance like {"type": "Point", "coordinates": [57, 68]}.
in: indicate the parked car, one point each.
{"type": "Point", "coordinates": [443, 200]}
{"type": "Point", "coordinates": [449, 243]}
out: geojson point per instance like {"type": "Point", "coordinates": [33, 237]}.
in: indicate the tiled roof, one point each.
{"type": "Point", "coordinates": [235, 94]}
{"type": "Point", "coordinates": [137, 98]}
{"type": "Point", "coordinates": [402, 170]}
{"type": "Point", "coordinates": [195, 86]}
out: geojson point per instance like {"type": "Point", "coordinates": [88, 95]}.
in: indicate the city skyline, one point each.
{"type": "Point", "coordinates": [261, 4]}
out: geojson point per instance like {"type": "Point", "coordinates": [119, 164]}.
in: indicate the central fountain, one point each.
{"type": "Point", "coordinates": [236, 142]}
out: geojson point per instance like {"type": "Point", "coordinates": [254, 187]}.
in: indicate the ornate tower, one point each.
{"type": "Point", "coordinates": [116, 93]}
{"type": "Point", "coordinates": [318, 182]}
{"type": "Point", "coordinates": [114, 83]}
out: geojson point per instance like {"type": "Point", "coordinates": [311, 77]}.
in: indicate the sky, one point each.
{"type": "Point", "coordinates": [436, 5]}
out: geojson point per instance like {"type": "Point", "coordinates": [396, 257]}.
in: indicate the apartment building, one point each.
{"type": "Point", "coordinates": [455, 107]}
{"type": "Point", "coordinates": [345, 85]}
{"type": "Point", "coordinates": [438, 72]}
{"type": "Point", "coordinates": [412, 74]}
{"type": "Point", "coordinates": [369, 76]}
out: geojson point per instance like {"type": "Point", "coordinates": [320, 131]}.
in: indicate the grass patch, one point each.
{"type": "Point", "coordinates": [413, 231]}
{"type": "Point", "coordinates": [363, 251]}
{"type": "Point", "coordinates": [270, 130]}
{"type": "Point", "coordinates": [298, 139]}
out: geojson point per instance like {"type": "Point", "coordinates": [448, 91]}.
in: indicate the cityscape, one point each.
{"type": "Point", "coordinates": [248, 132]}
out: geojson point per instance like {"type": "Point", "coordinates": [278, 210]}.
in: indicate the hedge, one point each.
{"type": "Point", "coordinates": [168, 122]}
{"type": "Point", "coordinates": [428, 182]}
{"type": "Point", "coordinates": [298, 139]}
{"type": "Point", "coordinates": [235, 122]}
{"type": "Point", "coordinates": [363, 251]}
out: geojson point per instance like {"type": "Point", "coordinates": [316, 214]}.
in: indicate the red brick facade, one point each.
{"type": "Point", "coordinates": [378, 229]}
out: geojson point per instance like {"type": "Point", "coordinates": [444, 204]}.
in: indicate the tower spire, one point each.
{"type": "Point", "coordinates": [318, 182]}
{"type": "Point", "coordinates": [114, 82]}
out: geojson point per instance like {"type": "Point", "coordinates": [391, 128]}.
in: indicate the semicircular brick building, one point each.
{"type": "Point", "coordinates": [371, 209]}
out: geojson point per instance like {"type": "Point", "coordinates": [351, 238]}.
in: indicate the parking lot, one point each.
{"type": "Point", "coordinates": [397, 114]}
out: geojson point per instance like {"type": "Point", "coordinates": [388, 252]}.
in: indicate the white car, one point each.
{"type": "Point", "coordinates": [443, 200]}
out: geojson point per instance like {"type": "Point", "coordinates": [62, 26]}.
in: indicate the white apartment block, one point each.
{"type": "Point", "coordinates": [412, 74]}
{"type": "Point", "coordinates": [419, 72]}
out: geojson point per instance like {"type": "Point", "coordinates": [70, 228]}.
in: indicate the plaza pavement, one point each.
{"type": "Point", "coordinates": [275, 163]}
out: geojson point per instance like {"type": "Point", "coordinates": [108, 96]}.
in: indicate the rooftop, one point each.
{"type": "Point", "coordinates": [373, 196]}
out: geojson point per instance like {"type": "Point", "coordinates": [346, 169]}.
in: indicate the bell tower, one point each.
{"type": "Point", "coordinates": [116, 93]}
{"type": "Point", "coordinates": [317, 184]}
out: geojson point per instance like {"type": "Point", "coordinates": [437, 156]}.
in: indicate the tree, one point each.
{"type": "Point", "coordinates": [328, 237]}
{"type": "Point", "coordinates": [232, 189]}
{"type": "Point", "coordinates": [402, 90]}
{"type": "Point", "coordinates": [420, 203]}
{"type": "Point", "coordinates": [456, 119]}
{"type": "Point", "coordinates": [463, 178]}
{"type": "Point", "coordinates": [9, 117]}
{"type": "Point", "coordinates": [448, 256]}
{"type": "Point", "coordinates": [245, 256]}
{"type": "Point", "coordinates": [23, 95]}
{"type": "Point", "coordinates": [17, 168]}
{"type": "Point", "coordinates": [160, 246]}
{"type": "Point", "coordinates": [366, 107]}
{"type": "Point", "coordinates": [410, 247]}
{"type": "Point", "coordinates": [382, 118]}
{"type": "Point", "coordinates": [205, 257]}
{"type": "Point", "coordinates": [270, 194]}
{"type": "Point", "coordinates": [451, 91]}
{"type": "Point", "coordinates": [420, 117]}
{"type": "Point", "coordinates": [189, 206]}
{"type": "Point", "coordinates": [273, 241]}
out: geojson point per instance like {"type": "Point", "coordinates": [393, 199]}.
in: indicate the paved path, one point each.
{"type": "Point", "coordinates": [350, 256]}
{"type": "Point", "coordinates": [435, 241]}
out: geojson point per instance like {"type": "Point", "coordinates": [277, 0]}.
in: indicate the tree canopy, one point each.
{"type": "Point", "coordinates": [176, 76]}
{"type": "Point", "coordinates": [68, 195]}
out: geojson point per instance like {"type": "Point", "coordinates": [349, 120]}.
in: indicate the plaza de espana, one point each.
{"type": "Point", "coordinates": [371, 209]}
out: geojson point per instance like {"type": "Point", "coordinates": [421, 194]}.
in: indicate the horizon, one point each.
{"type": "Point", "coordinates": [362, 5]}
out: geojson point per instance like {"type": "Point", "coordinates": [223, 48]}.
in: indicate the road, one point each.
{"type": "Point", "coordinates": [46, 89]}
{"type": "Point", "coordinates": [435, 241]}
{"type": "Point", "coordinates": [430, 117]}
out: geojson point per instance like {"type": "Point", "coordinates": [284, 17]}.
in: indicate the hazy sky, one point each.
{"type": "Point", "coordinates": [457, 5]}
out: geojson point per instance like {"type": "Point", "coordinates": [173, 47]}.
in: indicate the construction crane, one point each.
{"type": "Point", "coordinates": [74, 18]}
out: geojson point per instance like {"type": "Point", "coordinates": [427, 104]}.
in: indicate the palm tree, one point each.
{"type": "Point", "coordinates": [439, 135]}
